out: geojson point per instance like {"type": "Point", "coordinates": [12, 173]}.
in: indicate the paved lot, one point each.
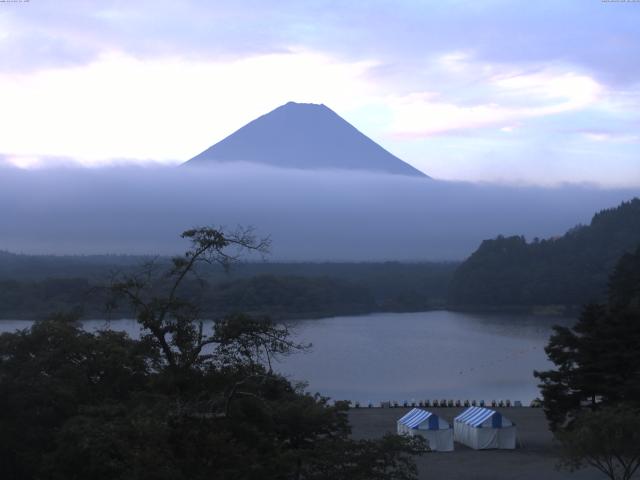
{"type": "Point", "coordinates": [534, 460]}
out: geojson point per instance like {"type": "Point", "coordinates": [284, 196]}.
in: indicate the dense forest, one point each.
{"type": "Point", "coordinates": [566, 271]}
{"type": "Point", "coordinates": [570, 270]}
{"type": "Point", "coordinates": [183, 402]}
{"type": "Point", "coordinates": [591, 397]}
{"type": "Point", "coordinates": [32, 286]}
{"type": "Point", "coordinates": [597, 360]}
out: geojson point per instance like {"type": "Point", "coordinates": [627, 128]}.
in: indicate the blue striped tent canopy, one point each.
{"type": "Point", "coordinates": [416, 416]}
{"type": "Point", "coordinates": [476, 416]}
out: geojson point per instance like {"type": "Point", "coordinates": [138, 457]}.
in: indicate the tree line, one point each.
{"type": "Point", "coordinates": [570, 270]}
{"type": "Point", "coordinates": [181, 402]}
{"type": "Point", "coordinates": [300, 290]}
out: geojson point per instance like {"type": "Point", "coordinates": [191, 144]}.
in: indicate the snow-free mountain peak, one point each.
{"type": "Point", "coordinates": [304, 136]}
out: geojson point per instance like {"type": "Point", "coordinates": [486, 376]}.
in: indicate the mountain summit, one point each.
{"type": "Point", "coordinates": [306, 136]}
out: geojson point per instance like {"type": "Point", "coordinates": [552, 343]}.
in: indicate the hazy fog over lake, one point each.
{"type": "Point", "coordinates": [310, 215]}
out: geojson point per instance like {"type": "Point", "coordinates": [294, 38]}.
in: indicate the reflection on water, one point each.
{"type": "Point", "coordinates": [425, 355]}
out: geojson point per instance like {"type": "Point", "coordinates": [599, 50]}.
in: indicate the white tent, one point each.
{"type": "Point", "coordinates": [482, 428]}
{"type": "Point", "coordinates": [437, 431]}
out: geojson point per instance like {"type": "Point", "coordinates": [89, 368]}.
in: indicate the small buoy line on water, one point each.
{"type": "Point", "coordinates": [443, 403]}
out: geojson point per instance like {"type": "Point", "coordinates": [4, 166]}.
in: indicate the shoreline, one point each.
{"type": "Point", "coordinates": [567, 311]}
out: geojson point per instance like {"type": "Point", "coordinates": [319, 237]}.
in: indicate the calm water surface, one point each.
{"type": "Point", "coordinates": [410, 356]}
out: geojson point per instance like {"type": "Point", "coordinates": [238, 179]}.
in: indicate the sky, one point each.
{"type": "Point", "coordinates": [517, 92]}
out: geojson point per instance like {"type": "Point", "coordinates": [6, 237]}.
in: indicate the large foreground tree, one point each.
{"type": "Point", "coordinates": [592, 398]}
{"type": "Point", "coordinates": [607, 439]}
{"type": "Point", "coordinates": [181, 402]}
{"type": "Point", "coordinates": [598, 359]}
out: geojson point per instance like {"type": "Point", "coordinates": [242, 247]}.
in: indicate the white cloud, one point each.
{"type": "Point", "coordinates": [165, 110]}
{"type": "Point", "coordinates": [169, 109]}
{"type": "Point", "coordinates": [563, 90]}
{"type": "Point", "coordinates": [501, 99]}
{"type": "Point", "coordinates": [611, 137]}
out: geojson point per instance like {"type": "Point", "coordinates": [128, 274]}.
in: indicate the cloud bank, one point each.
{"type": "Point", "coordinates": [319, 215]}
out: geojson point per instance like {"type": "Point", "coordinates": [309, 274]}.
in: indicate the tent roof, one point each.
{"type": "Point", "coordinates": [415, 417]}
{"type": "Point", "coordinates": [476, 416]}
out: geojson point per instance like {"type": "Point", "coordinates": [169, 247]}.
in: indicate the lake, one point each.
{"type": "Point", "coordinates": [410, 356]}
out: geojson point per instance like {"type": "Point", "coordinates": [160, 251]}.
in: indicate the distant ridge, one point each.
{"type": "Point", "coordinates": [305, 136]}
{"type": "Point", "coordinates": [569, 270]}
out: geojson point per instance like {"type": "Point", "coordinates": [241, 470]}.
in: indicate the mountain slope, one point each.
{"type": "Point", "coordinates": [305, 136]}
{"type": "Point", "coordinates": [569, 270]}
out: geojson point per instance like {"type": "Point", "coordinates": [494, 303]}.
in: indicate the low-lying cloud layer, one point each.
{"type": "Point", "coordinates": [330, 215]}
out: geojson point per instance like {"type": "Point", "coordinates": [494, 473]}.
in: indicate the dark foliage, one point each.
{"type": "Point", "coordinates": [181, 402]}
{"type": "Point", "coordinates": [284, 295]}
{"type": "Point", "coordinates": [569, 270]}
{"type": "Point", "coordinates": [624, 284]}
{"type": "Point", "coordinates": [301, 290]}
{"type": "Point", "coordinates": [49, 375]}
{"type": "Point", "coordinates": [608, 440]}
{"type": "Point", "coordinates": [597, 360]}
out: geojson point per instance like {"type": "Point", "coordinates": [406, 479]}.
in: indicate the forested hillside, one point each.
{"type": "Point", "coordinates": [34, 286]}
{"type": "Point", "coordinates": [569, 270]}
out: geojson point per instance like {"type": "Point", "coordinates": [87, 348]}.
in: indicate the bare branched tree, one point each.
{"type": "Point", "coordinates": [169, 321]}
